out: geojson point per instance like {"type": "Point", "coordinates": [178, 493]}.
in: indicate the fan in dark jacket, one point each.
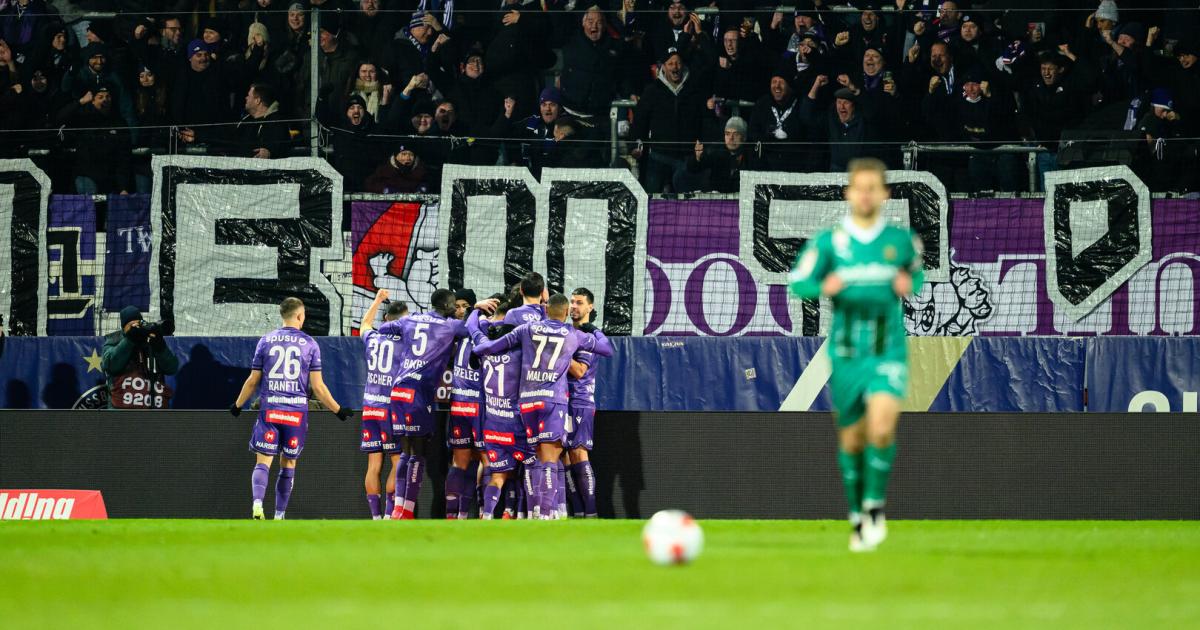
{"type": "Point", "coordinates": [200, 96]}
{"type": "Point", "coordinates": [403, 172]}
{"type": "Point", "coordinates": [669, 116]}
{"type": "Point", "coordinates": [355, 152]}
{"type": "Point", "coordinates": [777, 122]}
{"type": "Point", "coordinates": [594, 68]}
{"type": "Point", "coordinates": [261, 132]}
{"type": "Point", "coordinates": [850, 125]}
{"type": "Point", "coordinates": [102, 158]}
{"type": "Point", "coordinates": [723, 164]}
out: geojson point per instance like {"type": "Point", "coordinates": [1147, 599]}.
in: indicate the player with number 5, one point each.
{"type": "Point", "coordinates": [427, 339]}
{"type": "Point", "coordinates": [292, 361]}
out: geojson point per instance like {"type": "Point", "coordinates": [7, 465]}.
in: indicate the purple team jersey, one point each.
{"type": "Point", "coordinates": [547, 348]}
{"type": "Point", "coordinates": [427, 341]}
{"type": "Point", "coordinates": [381, 352]}
{"type": "Point", "coordinates": [583, 389]}
{"type": "Point", "coordinates": [526, 314]}
{"type": "Point", "coordinates": [465, 405]}
{"type": "Point", "coordinates": [428, 338]}
{"type": "Point", "coordinates": [285, 357]}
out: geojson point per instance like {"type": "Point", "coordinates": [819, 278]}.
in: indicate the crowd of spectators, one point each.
{"type": "Point", "coordinates": [407, 86]}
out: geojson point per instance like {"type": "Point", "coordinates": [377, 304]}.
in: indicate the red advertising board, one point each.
{"type": "Point", "coordinates": [51, 504]}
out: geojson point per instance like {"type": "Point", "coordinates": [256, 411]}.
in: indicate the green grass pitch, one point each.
{"type": "Point", "coordinates": [753, 575]}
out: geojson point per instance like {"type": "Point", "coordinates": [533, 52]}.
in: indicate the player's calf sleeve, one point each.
{"type": "Point", "coordinates": [401, 478]}
{"type": "Point", "coordinates": [456, 482]}
{"type": "Point", "coordinates": [573, 496]}
{"type": "Point", "coordinates": [258, 481]}
{"type": "Point", "coordinates": [533, 488]}
{"type": "Point", "coordinates": [560, 488]}
{"type": "Point", "coordinates": [491, 496]}
{"type": "Point", "coordinates": [373, 504]}
{"type": "Point", "coordinates": [283, 489]}
{"type": "Point", "coordinates": [390, 503]}
{"type": "Point", "coordinates": [852, 480]}
{"type": "Point", "coordinates": [877, 470]}
{"type": "Point", "coordinates": [416, 477]}
{"type": "Point", "coordinates": [548, 490]}
{"type": "Point", "coordinates": [510, 497]}
{"type": "Point", "coordinates": [585, 481]}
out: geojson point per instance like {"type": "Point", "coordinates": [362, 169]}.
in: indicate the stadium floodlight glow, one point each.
{"type": "Point", "coordinates": [672, 537]}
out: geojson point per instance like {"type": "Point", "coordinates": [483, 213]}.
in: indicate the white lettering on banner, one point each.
{"type": "Point", "coordinates": [143, 238]}
{"type": "Point", "coordinates": [243, 234]}
{"type": "Point", "coordinates": [29, 506]}
{"type": "Point", "coordinates": [1159, 403]}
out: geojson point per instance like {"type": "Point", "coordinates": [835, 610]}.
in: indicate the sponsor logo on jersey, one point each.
{"type": "Point", "coordinates": [378, 399]}
{"type": "Point", "coordinates": [294, 442]}
{"type": "Point", "coordinates": [889, 253]}
{"type": "Point", "coordinates": [498, 437]}
{"type": "Point", "coordinates": [533, 406]}
{"type": "Point", "coordinates": [403, 394]}
{"type": "Point", "coordinates": [366, 435]}
{"type": "Point", "coordinates": [290, 418]}
{"type": "Point", "coordinates": [492, 456]}
{"type": "Point", "coordinates": [408, 418]}
{"type": "Point", "coordinates": [457, 431]}
{"type": "Point", "coordinates": [519, 456]}
{"type": "Point", "coordinates": [287, 400]}
{"type": "Point", "coordinates": [374, 413]}
{"type": "Point", "coordinates": [464, 409]}
{"type": "Point", "coordinates": [269, 436]}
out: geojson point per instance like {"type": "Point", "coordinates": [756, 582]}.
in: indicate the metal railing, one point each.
{"type": "Point", "coordinates": [913, 150]}
{"type": "Point", "coordinates": [619, 108]}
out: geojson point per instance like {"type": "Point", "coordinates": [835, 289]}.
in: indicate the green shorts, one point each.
{"type": "Point", "coordinates": [854, 380]}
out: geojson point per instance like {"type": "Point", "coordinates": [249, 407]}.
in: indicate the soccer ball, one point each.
{"type": "Point", "coordinates": [672, 537]}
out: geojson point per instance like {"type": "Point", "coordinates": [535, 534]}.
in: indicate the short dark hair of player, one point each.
{"type": "Point", "coordinates": [289, 307]}
{"type": "Point", "coordinates": [265, 92]}
{"type": "Point", "coordinates": [443, 302]}
{"type": "Point", "coordinates": [557, 306]}
{"type": "Point", "coordinates": [585, 293]}
{"type": "Point", "coordinates": [865, 164]}
{"type": "Point", "coordinates": [533, 285]}
{"type": "Point", "coordinates": [395, 311]}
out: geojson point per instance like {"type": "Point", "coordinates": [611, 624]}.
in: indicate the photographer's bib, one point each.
{"type": "Point", "coordinates": [135, 390]}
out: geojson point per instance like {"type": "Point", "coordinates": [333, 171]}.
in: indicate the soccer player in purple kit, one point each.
{"type": "Point", "coordinates": [547, 348]}
{"type": "Point", "coordinates": [464, 434]}
{"type": "Point", "coordinates": [376, 411]}
{"type": "Point", "coordinates": [582, 410]}
{"type": "Point", "coordinates": [295, 366]}
{"type": "Point", "coordinates": [428, 339]}
{"type": "Point", "coordinates": [505, 446]}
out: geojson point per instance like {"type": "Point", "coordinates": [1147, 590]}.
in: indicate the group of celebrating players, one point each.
{"type": "Point", "coordinates": [522, 397]}
{"type": "Point", "coordinates": [522, 402]}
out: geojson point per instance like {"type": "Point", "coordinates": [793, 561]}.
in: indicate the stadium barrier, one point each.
{"type": "Point", "coordinates": [948, 374]}
{"type": "Point", "coordinates": [715, 465]}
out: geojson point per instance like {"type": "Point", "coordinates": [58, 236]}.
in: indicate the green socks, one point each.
{"type": "Point", "coordinates": [852, 479]}
{"type": "Point", "coordinates": [876, 471]}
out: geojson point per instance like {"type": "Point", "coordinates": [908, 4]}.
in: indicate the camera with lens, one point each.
{"type": "Point", "coordinates": [140, 333]}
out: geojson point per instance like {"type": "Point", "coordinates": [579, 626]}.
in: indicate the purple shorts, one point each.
{"type": "Point", "coordinates": [582, 421]}
{"type": "Point", "coordinates": [464, 429]}
{"type": "Point", "coordinates": [377, 431]}
{"type": "Point", "coordinates": [545, 422]}
{"type": "Point", "coordinates": [504, 443]}
{"type": "Point", "coordinates": [276, 427]}
{"type": "Point", "coordinates": [412, 414]}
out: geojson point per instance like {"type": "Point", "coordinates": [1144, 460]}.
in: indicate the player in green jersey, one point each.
{"type": "Point", "coordinates": [865, 267]}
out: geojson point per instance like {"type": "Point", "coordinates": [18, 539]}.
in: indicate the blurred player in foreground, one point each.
{"type": "Point", "coordinates": [547, 348]}
{"type": "Point", "coordinates": [295, 364]}
{"type": "Point", "coordinates": [377, 439]}
{"type": "Point", "coordinates": [866, 268]}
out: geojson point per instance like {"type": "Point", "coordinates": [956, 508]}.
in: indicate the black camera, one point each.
{"type": "Point", "coordinates": [142, 332]}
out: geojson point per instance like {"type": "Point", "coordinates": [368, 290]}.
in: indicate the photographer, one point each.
{"type": "Point", "coordinates": [136, 359]}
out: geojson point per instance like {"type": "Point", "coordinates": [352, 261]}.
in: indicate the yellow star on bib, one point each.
{"type": "Point", "coordinates": [93, 362]}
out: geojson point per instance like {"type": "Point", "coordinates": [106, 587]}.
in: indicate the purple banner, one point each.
{"type": "Point", "coordinates": [73, 266]}
{"type": "Point", "coordinates": [127, 253]}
